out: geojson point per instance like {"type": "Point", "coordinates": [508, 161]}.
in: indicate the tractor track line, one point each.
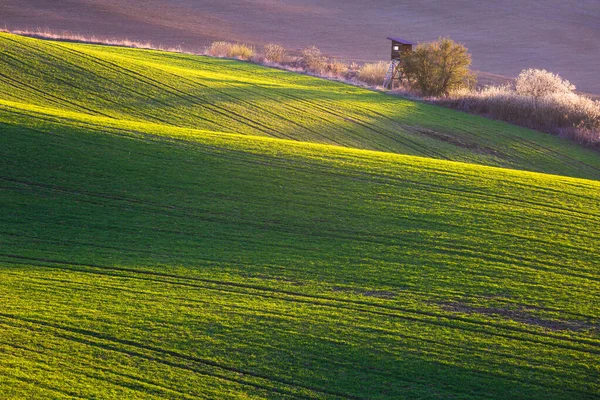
{"type": "Point", "coordinates": [93, 338]}
{"type": "Point", "coordinates": [326, 301]}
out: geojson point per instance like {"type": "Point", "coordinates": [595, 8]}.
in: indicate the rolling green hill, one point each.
{"type": "Point", "coordinates": [175, 90]}
{"type": "Point", "coordinates": [154, 245]}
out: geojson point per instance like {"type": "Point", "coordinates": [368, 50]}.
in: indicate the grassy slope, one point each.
{"type": "Point", "coordinates": [221, 95]}
{"type": "Point", "coordinates": [145, 260]}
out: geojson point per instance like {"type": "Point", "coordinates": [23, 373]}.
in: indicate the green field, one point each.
{"type": "Point", "coordinates": [182, 227]}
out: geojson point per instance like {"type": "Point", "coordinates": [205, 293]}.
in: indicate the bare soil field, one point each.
{"type": "Point", "coordinates": [504, 36]}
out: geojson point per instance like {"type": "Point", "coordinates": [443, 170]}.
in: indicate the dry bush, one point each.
{"type": "Point", "coordinates": [437, 68]}
{"type": "Point", "coordinates": [373, 73]}
{"type": "Point", "coordinates": [274, 53]}
{"type": "Point", "coordinates": [563, 112]}
{"type": "Point", "coordinates": [337, 69]}
{"type": "Point", "coordinates": [312, 60]}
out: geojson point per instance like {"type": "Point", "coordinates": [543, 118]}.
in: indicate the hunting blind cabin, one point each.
{"type": "Point", "coordinates": [399, 47]}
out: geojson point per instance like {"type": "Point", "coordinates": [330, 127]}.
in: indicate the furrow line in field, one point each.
{"type": "Point", "coordinates": [394, 136]}
{"type": "Point", "coordinates": [448, 352]}
{"type": "Point", "coordinates": [119, 70]}
{"type": "Point", "coordinates": [494, 198]}
{"type": "Point", "coordinates": [326, 301]}
{"type": "Point", "coordinates": [427, 295]}
{"type": "Point", "coordinates": [265, 110]}
{"type": "Point", "coordinates": [78, 123]}
{"type": "Point", "coordinates": [38, 92]}
{"type": "Point", "coordinates": [186, 96]}
{"type": "Point", "coordinates": [328, 171]}
{"type": "Point", "coordinates": [44, 386]}
{"type": "Point", "coordinates": [451, 351]}
{"type": "Point", "coordinates": [79, 243]}
{"type": "Point", "coordinates": [14, 95]}
{"type": "Point", "coordinates": [105, 341]}
{"type": "Point", "coordinates": [248, 104]}
{"type": "Point", "coordinates": [80, 369]}
{"type": "Point", "coordinates": [63, 82]}
{"type": "Point", "coordinates": [130, 88]}
{"type": "Point", "coordinates": [190, 212]}
{"type": "Point", "coordinates": [562, 156]}
{"type": "Point", "coordinates": [372, 177]}
{"type": "Point", "coordinates": [123, 105]}
{"type": "Point", "coordinates": [480, 140]}
{"type": "Point", "coordinates": [285, 105]}
{"type": "Point", "coordinates": [450, 347]}
{"type": "Point", "coordinates": [145, 382]}
{"type": "Point", "coordinates": [447, 246]}
{"type": "Point", "coordinates": [75, 123]}
{"type": "Point", "coordinates": [351, 234]}
{"type": "Point", "coordinates": [573, 162]}
{"type": "Point", "coordinates": [149, 383]}
{"type": "Point", "coordinates": [474, 369]}
{"type": "Point", "coordinates": [569, 160]}
{"type": "Point", "coordinates": [386, 178]}
{"type": "Point", "coordinates": [73, 334]}
{"type": "Point", "coordinates": [505, 260]}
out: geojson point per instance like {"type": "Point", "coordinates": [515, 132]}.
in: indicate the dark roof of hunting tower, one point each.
{"type": "Point", "coordinates": [400, 40]}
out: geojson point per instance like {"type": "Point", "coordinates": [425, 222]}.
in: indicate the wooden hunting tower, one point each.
{"type": "Point", "coordinates": [399, 47]}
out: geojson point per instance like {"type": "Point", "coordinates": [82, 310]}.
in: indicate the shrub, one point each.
{"type": "Point", "coordinates": [538, 83]}
{"type": "Point", "coordinates": [439, 67]}
{"type": "Point", "coordinates": [312, 60]}
{"type": "Point", "coordinates": [373, 73]}
{"type": "Point", "coordinates": [274, 53]}
{"type": "Point", "coordinates": [230, 50]}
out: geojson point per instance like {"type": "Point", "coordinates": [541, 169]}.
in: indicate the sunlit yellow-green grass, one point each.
{"type": "Point", "coordinates": [145, 253]}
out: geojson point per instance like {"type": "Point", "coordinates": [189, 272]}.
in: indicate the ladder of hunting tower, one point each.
{"type": "Point", "coordinates": [391, 74]}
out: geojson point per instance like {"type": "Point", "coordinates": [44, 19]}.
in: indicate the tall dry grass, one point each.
{"type": "Point", "coordinates": [241, 51]}
{"type": "Point", "coordinates": [373, 73]}
{"type": "Point", "coordinates": [337, 69]}
{"type": "Point", "coordinates": [230, 50]}
{"type": "Point", "coordinates": [79, 38]}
